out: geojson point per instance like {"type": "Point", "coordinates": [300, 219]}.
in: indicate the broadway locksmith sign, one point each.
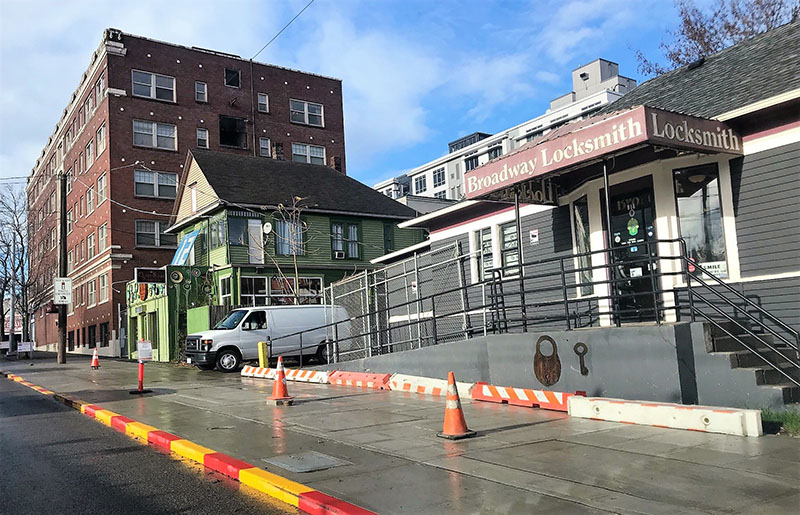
{"type": "Point", "coordinates": [596, 137]}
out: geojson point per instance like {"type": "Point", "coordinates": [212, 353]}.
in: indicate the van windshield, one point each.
{"type": "Point", "coordinates": [232, 320]}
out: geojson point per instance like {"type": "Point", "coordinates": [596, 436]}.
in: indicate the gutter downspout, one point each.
{"type": "Point", "coordinates": [252, 107]}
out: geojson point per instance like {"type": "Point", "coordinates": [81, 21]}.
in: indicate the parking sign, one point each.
{"type": "Point", "coordinates": [62, 290]}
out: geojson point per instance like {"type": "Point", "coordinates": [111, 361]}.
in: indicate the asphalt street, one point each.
{"type": "Point", "coordinates": [55, 460]}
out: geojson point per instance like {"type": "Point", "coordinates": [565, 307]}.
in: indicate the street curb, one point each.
{"type": "Point", "coordinates": [306, 498]}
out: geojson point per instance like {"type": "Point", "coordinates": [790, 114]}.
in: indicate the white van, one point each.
{"type": "Point", "coordinates": [235, 339]}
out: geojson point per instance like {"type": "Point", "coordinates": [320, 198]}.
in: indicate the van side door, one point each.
{"type": "Point", "coordinates": [255, 328]}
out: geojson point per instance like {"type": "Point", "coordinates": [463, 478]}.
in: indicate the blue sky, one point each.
{"type": "Point", "coordinates": [417, 73]}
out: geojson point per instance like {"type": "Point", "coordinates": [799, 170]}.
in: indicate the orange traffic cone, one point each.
{"type": "Point", "coordinates": [280, 393]}
{"type": "Point", "coordinates": [455, 427]}
{"type": "Point", "coordinates": [95, 360]}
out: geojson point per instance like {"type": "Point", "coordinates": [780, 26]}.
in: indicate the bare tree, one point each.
{"type": "Point", "coordinates": [30, 276]}
{"type": "Point", "coordinates": [295, 239]}
{"type": "Point", "coordinates": [702, 32]}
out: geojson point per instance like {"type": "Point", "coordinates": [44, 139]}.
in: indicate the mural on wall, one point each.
{"type": "Point", "coordinates": [546, 368]}
{"type": "Point", "coordinates": [141, 292]}
{"type": "Point", "coordinates": [193, 286]}
{"type": "Point", "coordinates": [581, 349]}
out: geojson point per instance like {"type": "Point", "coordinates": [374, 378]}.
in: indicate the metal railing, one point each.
{"type": "Point", "coordinates": [654, 286]}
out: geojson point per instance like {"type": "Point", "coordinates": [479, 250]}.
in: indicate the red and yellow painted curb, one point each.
{"type": "Point", "coordinates": [306, 498]}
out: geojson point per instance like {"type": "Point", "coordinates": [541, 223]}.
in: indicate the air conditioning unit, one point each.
{"type": "Point", "coordinates": [339, 254]}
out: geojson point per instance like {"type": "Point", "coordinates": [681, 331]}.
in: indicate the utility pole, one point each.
{"type": "Point", "coordinates": [62, 265]}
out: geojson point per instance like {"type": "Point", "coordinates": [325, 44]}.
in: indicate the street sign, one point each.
{"type": "Point", "coordinates": [62, 290]}
{"type": "Point", "coordinates": [144, 349]}
{"type": "Point", "coordinates": [183, 250]}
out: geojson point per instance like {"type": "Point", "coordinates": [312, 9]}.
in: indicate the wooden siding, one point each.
{"type": "Point", "coordinates": [766, 187]}
{"type": "Point", "coordinates": [205, 193]}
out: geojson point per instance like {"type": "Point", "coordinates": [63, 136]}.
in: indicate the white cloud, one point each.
{"type": "Point", "coordinates": [490, 80]}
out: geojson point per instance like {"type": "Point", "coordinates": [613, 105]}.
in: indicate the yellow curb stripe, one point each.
{"type": "Point", "coordinates": [190, 450]}
{"type": "Point", "coordinates": [275, 486]}
{"type": "Point", "coordinates": [138, 430]}
{"type": "Point", "coordinates": [104, 416]}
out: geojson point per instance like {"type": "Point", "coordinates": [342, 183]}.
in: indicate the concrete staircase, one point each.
{"type": "Point", "coordinates": [742, 358]}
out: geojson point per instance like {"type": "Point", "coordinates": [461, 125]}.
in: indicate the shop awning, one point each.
{"type": "Point", "coordinates": [551, 163]}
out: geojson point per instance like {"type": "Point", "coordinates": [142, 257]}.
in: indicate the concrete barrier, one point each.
{"type": "Point", "coordinates": [360, 380]}
{"type": "Point", "coordinates": [708, 419]}
{"type": "Point", "coordinates": [307, 376]}
{"type": "Point", "coordinates": [528, 398]}
{"type": "Point", "coordinates": [259, 372]}
{"type": "Point", "coordinates": [426, 385]}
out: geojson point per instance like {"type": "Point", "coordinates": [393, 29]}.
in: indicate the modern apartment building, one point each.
{"type": "Point", "coordinates": [123, 140]}
{"type": "Point", "coordinates": [594, 86]}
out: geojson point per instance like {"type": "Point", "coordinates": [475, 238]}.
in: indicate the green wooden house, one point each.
{"type": "Point", "coordinates": [255, 218]}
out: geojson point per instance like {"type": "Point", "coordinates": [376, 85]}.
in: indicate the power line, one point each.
{"type": "Point", "coordinates": [284, 28]}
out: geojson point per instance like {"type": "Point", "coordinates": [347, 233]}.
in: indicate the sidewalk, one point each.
{"type": "Point", "coordinates": [524, 460]}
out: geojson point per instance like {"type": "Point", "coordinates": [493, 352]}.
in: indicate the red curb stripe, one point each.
{"type": "Point", "coordinates": [317, 503]}
{"type": "Point", "coordinates": [120, 423]}
{"type": "Point", "coordinates": [90, 409]}
{"type": "Point", "coordinates": [162, 439]}
{"type": "Point", "coordinates": [225, 464]}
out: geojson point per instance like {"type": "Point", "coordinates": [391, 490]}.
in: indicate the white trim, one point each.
{"type": "Point", "coordinates": [761, 104]}
{"type": "Point", "coordinates": [487, 221]}
{"type": "Point", "coordinates": [771, 141]}
{"type": "Point", "coordinates": [153, 86]}
{"type": "Point", "coordinates": [401, 252]}
{"type": "Point", "coordinates": [436, 214]}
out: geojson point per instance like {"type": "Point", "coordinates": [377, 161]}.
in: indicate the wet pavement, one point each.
{"type": "Point", "coordinates": [388, 459]}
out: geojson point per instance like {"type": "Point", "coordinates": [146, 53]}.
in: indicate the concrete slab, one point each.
{"type": "Point", "coordinates": [522, 461]}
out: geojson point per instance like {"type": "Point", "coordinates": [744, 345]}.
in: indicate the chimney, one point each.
{"type": "Point", "coordinates": [336, 163]}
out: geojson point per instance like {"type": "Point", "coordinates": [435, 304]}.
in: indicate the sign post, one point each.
{"type": "Point", "coordinates": [144, 349]}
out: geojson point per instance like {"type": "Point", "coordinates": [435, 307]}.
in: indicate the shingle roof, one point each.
{"type": "Point", "coordinates": [759, 68]}
{"type": "Point", "coordinates": [269, 182]}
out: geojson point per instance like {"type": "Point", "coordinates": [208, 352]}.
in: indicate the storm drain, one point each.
{"type": "Point", "coordinates": [310, 461]}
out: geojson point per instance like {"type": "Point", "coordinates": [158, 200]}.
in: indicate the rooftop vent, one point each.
{"type": "Point", "coordinates": [696, 64]}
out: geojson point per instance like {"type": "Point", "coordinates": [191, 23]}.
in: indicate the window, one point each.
{"type": "Point", "coordinates": [193, 190]}
{"type": "Point", "coordinates": [218, 232]}
{"type": "Point", "coordinates": [69, 221]}
{"type": "Point", "coordinates": [92, 300]}
{"type": "Point", "coordinates": [102, 237]}
{"type": "Point", "coordinates": [302, 153]}
{"type": "Point", "coordinates": [438, 177]}
{"type": "Point", "coordinates": [225, 294]}
{"type": "Point", "coordinates": [254, 291]}
{"type": "Point", "coordinates": [155, 184]}
{"type": "Point", "coordinates": [201, 91]}
{"type": "Point", "coordinates": [264, 147]}
{"type": "Point", "coordinates": [337, 237]}
{"type": "Point", "coordinates": [282, 290]}
{"type": "Point", "coordinates": [232, 131]}
{"type": "Point", "coordinates": [70, 261]}
{"type": "Point", "coordinates": [308, 113]}
{"type": "Point", "coordinates": [483, 239]}
{"type": "Point", "coordinates": [440, 194]}
{"type": "Point", "coordinates": [155, 135]}
{"type": "Point", "coordinates": [470, 163]}
{"type": "Point", "coordinates": [89, 200]}
{"type": "Point", "coordinates": [237, 231]}
{"type": "Point", "coordinates": [420, 184]}
{"type": "Point", "coordinates": [255, 320]}
{"type": "Point", "coordinates": [289, 238]}
{"type": "Point", "coordinates": [263, 103]}
{"type": "Point", "coordinates": [150, 233]}
{"type": "Point", "coordinates": [233, 78]}
{"type": "Point", "coordinates": [89, 154]}
{"type": "Point", "coordinates": [495, 152]}
{"type": "Point", "coordinates": [69, 180]}
{"type": "Point", "coordinates": [580, 214]}
{"type": "Point", "coordinates": [509, 247]}
{"type": "Point", "coordinates": [100, 136]}
{"type": "Point", "coordinates": [53, 239]}
{"type": "Point", "coordinates": [700, 217]}
{"type": "Point", "coordinates": [100, 87]}
{"type": "Point", "coordinates": [82, 163]}
{"type": "Point", "coordinates": [352, 241]}
{"type": "Point", "coordinates": [202, 138]}
{"type": "Point", "coordinates": [101, 189]}
{"type": "Point", "coordinates": [104, 332]}
{"type": "Point", "coordinates": [90, 246]}
{"type": "Point", "coordinates": [153, 85]}
{"type": "Point", "coordinates": [388, 238]}
{"type": "Point", "coordinates": [103, 280]}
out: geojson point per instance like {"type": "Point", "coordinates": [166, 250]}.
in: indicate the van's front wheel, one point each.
{"type": "Point", "coordinates": [228, 360]}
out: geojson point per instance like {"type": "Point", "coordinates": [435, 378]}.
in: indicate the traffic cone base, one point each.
{"type": "Point", "coordinates": [95, 361]}
{"type": "Point", "coordinates": [280, 392]}
{"type": "Point", "coordinates": [455, 426]}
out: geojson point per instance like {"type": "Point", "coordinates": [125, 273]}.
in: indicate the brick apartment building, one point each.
{"type": "Point", "coordinates": [123, 141]}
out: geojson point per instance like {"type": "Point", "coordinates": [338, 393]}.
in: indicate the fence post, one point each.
{"type": "Point", "coordinates": [483, 303]}
{"type": "Point", "coordinates": [433, 321]}
{"type": "Point", "coordinates": [564, 291]}
{"type": "Point", "coordinates": [335, 343]}
{"type": "Point", "coordinates": [365, 311]}
{"type": "Point", "coordinates": [465, 325]}
{"type": "Point", "coordinates": [408, 306]}
{"type": "Point", "coordinates": [377, 311]}
{"type": "Point", "coordinates": [653, 283]}
{"type": "Point", "coordinates": [419, 302]}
